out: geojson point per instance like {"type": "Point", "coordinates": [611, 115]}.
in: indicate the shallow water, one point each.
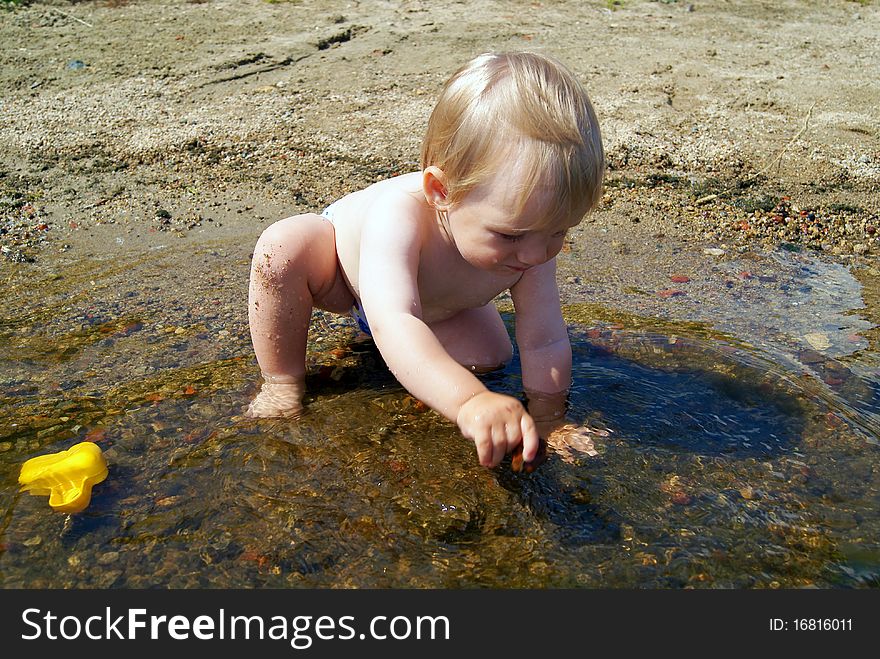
{"type": "Point", "coordinates": [741, 455]}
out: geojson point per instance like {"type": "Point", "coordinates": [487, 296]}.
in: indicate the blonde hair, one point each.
{"type": "Point", "coordinates": [524, 108]}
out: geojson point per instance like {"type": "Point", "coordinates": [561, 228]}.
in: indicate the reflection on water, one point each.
{"type": "Point", "coordinates": [727, 466]}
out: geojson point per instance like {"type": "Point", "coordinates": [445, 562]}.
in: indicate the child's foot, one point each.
{"type": "Point", "coordinates": [277, 400]}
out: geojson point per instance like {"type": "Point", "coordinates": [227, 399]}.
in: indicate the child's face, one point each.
{"type": "Point", "coordinates": [492, 234]}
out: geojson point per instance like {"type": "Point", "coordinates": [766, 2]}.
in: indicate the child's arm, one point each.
{"type": "Point", "coordinates": [388, 282]}
{"type": "Point", "coordinates": [545, 353]}
{"type": "Point", "coordinates": [541, 335]}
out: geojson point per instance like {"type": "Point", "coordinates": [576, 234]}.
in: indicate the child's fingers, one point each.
{"type": "Point", "coordinates": [529, 436]}
{"type": "Point", "coordinates": [500, 441]}
{"type": "Point", "coordinates": [485, 448]}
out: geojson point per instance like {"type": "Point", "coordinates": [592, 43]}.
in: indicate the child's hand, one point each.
{"type": "Point", "coordinates": [567, 439]}
{"type": "Point", "coordinates": [277, 400]}
{"type": "Point", "coordinates": [497, 424]}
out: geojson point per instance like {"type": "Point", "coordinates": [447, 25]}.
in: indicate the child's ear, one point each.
{"type": "Point", "coordinates": [434, 186]}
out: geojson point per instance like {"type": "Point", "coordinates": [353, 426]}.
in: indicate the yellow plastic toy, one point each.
{"type": "Point", "coordinates": [67, 476]}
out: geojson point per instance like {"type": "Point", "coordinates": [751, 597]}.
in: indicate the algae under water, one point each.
{"type": "Point", "coordinates": [738, 457]}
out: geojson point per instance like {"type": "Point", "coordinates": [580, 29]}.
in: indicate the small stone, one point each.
{"type": "Point", "coordinates": [818, 340]}
{"type": "Point", "coordinates": [108, 557]}
{"type": "Point", "coordinates": [680, 498]}
{"type": "Point", "coordinates": [670, 292]}
{"type": "Point", "coordinates": [833, 420]}
{"type": "Point", "coordinates": [713, 251]}
{"type": "Point", "coordinates": [108, 578]}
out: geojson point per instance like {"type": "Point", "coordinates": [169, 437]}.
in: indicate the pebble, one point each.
{"type": "Point", "coordinates": [108, 578]}
{"type": "Point", "coordinates": [818, 340]}
{"type": "Point", "coordinates": [108, 557]}
{"type": "Point", "coordinates": [681, 498]}
{"type": "Point", "coordinates": [670, 292]}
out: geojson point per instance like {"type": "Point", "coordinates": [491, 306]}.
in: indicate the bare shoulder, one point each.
{"type": "Point", "coordinates": [397, 204]}
{"type": "Point", "coordinates": [376, 222]}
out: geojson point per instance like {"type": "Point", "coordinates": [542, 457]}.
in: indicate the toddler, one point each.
{"type": "Point", "coordinates": [512, 159]}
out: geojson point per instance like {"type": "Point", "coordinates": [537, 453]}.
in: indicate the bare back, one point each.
{"type": "Point", "coordinates": [447, 284]}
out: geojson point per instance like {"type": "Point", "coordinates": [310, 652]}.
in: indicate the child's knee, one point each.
{"type": "Point", "coordinates": [277, 250]}
{"type": "Point", "coordinates": [497, 357]}
{"type": "Point", "coordinates": [504, 353]}
{"type": "Point", "coordinates": [278, 237]}
{"type": "Point", "coordinates": [268, 267]}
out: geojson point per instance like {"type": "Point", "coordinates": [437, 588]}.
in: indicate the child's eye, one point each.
{"type": "Point", "coordinates": [560, 234]}
{"type": "Point", "coordinates": [509, 236]}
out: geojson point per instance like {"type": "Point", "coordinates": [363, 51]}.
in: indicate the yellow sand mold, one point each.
{"type": "Point", "coordinates": [67, 476]}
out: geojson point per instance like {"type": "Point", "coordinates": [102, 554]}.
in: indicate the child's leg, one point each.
{"type": "Point", "coordinates": [476, 338]}
{"type": "Point", "coordinates": [294, 269]}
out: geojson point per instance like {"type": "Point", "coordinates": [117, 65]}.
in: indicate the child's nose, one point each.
{"type": "Point", "coordinates": [534, 252]}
